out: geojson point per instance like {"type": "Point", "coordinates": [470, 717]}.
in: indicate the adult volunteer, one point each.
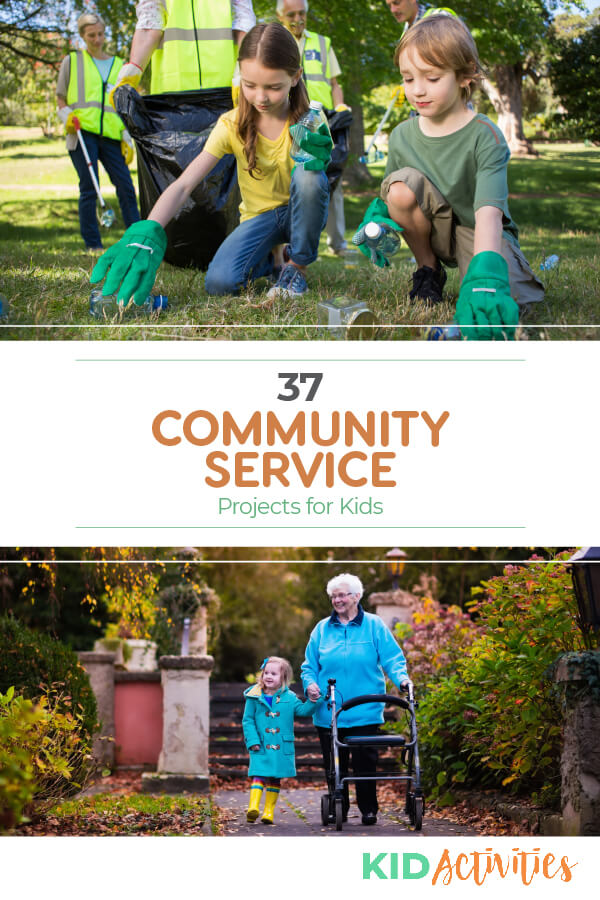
{"type": "Point", "coordinates": [192, 43]}
{"type": "Point", "coordinates": [84, 80]}
{"type": "Point", "coordinates": [321, 71]}
{"type": "Point", "coordinates": [356, 648]}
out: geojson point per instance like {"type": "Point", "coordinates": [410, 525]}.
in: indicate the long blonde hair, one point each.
{"type": "Point", "coordinates": [274, 47]}
{"type": "Point", "coordinates": [445, 42]}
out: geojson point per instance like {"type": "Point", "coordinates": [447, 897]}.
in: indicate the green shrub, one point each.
{"type": "Point", "coordinates": [43, 755]}
{"type": "Point", "coordinates": [31, 661]}
{"type": "Point", "coordinates": [497, 720]}
{"type": "Point", "coordinates": [17, 786]}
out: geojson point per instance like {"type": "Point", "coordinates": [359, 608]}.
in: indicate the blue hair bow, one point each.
{"type": "Point", "coordinates": [264, 662]}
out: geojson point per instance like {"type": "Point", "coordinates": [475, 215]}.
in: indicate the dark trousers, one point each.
{"type": "Point", "coordinates": [108, 152]}
{"type": "Point", "coordinates": [364, 762]}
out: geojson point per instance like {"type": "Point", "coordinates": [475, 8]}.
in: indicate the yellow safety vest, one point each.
{"type": "Point", "coordinates": [197, 49]}
{"type": "Point", "coordinates": [317, 72]}
{"type": "Point", "coordinates": [432, 11]}
{"type": "Point", "coordinates": [87, 94]}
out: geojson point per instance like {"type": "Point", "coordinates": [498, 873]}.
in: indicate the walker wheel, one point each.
{"type": "Point", "coordinates": [419, 808]}
{"type": "Point", "coordinates": [339, 815]}
{"type": "Point", "coordinates": [326, 814]}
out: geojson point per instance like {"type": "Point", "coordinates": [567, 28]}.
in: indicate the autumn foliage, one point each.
{"type": "Point", "coordinates": [492, 717]}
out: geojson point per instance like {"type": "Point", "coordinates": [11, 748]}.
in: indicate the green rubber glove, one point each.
{"type": "Point", "coordinates": [376, 211]}
{"type": "Point", "coordinates": [484, 300]}
{"type": "Point", "coordinates": [132, 263]}
{"type": "Point", "coordinates": [318, 144]}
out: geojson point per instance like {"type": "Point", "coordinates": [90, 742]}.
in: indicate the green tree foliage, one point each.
{"type": "Point", "coordinates": [496, 721]}
{"type": "Point", "coordinates": [574, 71]}
{"type": "Point", "coordinates": [34, 663]}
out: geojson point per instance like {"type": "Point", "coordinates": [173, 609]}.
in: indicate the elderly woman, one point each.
{"type": "Point", "coordinates": [85, 80]}
{"type": "Point", "coordinates": [356, 648]}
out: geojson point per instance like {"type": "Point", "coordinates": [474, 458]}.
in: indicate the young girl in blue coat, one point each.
{"type": "Point", "coordinates": [268, 725]}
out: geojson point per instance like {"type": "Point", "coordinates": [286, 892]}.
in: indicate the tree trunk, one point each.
{"type": "Point", "coordinates": [506, 98]}
{"type": "Point", "coordinates": [356, 173]}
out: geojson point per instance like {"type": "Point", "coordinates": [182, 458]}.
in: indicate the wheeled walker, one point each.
{"type": "Point", "coordinates": [332, 803]}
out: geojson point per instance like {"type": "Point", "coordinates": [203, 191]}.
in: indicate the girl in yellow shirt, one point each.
{"type": "Point", "coordinates": [280, 205]}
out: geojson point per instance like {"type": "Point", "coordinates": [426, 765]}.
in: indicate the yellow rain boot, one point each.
{"type": "Point", "coordinates": [270, 803]}
{"type": "Point", "coordinates": [256, 789]}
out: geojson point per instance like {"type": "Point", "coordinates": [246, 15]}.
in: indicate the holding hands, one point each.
{"type": "Point", "coordinates": [313, 692]}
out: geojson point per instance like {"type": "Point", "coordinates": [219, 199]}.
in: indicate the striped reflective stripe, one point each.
{"type": "Point", "coordinates": [324, 54]}
{"type": "Point", "coordinates": [195, 34]}
{"type": "Point", "coordinates": [81, 80]}
{"type": "Point", "coordinates": [317, 78]}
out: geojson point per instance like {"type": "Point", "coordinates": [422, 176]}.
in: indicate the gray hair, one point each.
{"type": "Point", "coordinates": [280, 4]}
{"type": "Point", "coordinates": [88, 19]}
{"type": "Point", "coordinates": [353, 584]}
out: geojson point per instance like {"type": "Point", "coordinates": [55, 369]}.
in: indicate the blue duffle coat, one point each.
{"type": "Point", "coordinates": [272, 729]}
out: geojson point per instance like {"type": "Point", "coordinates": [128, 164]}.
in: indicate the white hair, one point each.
{"type": "Point", "coordinates": [280, 4]}
{"type": "Point", "coordinates": [353, 584]}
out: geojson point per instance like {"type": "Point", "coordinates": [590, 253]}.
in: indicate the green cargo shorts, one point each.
{"type": "Point", "coordinates": [453, 244]}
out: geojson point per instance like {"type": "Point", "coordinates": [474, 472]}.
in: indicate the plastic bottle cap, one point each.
{"type": "Point", "coordinates": [316, 104]}
{"type": "Point", "coordinates": [372, 230]}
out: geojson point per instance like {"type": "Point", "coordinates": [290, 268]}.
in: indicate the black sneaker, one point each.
{"type": "Point", "coordinates": [369, 818]}
{"type": "Point", "coordinates": [428, 284]}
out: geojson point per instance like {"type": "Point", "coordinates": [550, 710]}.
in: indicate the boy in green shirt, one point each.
{"type": "Point", "coordinates": [446, 185]}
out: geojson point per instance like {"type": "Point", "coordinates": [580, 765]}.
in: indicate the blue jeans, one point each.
{"type": "Point", "coordinates": [108, 152]}
{"type": "Point", "coordinates": [245, 254]}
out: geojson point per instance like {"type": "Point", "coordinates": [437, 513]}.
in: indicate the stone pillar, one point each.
{"type": "Point", "coordinates": [394, 606]}
{"type": "Point", "coordinates": [100, 668]}
{"type": "Point", "coordinates": [199, 633]}
{"type": "Point", "coordinates": [183, 761]}
{"type": "Point", "coordinates": [580, 760]}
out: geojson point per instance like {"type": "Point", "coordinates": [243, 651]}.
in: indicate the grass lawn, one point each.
{"type": "Point", "coordinates": [44, 272]}
{"type": "Point", "coordinates": [127, 814]}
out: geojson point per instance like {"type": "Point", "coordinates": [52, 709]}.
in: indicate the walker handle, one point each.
{"type": "Point", "coordinates": [375, 698]}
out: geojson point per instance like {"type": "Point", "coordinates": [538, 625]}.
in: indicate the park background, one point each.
{"type": "Point", "coordinates": [543, 89]}
{"type": "Point", "coordinates": [483, 638]}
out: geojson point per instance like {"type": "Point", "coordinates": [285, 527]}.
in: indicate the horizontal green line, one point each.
{"type": "Point", "coordinates": [278, 526]}
{"type": "Point", "coordinates": [303, 360]}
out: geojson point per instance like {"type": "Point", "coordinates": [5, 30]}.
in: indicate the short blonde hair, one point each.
{"type": "Point", "coordinates": [287, 673]}
{"type": "Point", "coordinates": [444, 42]}
{"type": "Point", "coordinates": [88, 19]}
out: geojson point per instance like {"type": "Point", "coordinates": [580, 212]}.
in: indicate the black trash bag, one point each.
{"type": "Point", "coordinates": [339, 126]}
{"type": "Point", "coordinates": [169, 131]}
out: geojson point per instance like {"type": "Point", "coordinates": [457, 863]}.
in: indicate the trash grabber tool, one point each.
{"type": "Point", "coordinates": [386, 115]}
{"type": "Point", "coordinates": [107, 217]}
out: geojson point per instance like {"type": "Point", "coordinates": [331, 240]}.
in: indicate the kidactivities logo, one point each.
{"type": "Point", "coordinates": [477, 866]}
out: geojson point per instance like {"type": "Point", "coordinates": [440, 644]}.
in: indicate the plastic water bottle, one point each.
{"type": "Point", "coordinates": [107, 307]}
{"type": "Point", "coordinates": [373, 156]}
{"type": "Point", "coordinates": [3, 309]}
{"type": "Point", "coordinates": [549, 262]}
{"type": "Point", "coordinates": [378, 237]}
{"type": "Point", "coordinates": [107, 218]}
{"type": "Point", "coordinates": [442, 333]}
{"type": "Point", "coordinates": [310, 121]}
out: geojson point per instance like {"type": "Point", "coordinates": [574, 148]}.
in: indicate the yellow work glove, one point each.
{"type": "Point", "coordinates": [343, 106]}
{"type": "Point", "coordinates": [127, 147]}
{"type": "Point", "coordinates": [130, 73]}
{"type": "Point", "coordinates": [66, 115]}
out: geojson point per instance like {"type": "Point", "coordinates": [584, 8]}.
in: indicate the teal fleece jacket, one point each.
{"type": "Point", "coordinates": [356, 655]}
